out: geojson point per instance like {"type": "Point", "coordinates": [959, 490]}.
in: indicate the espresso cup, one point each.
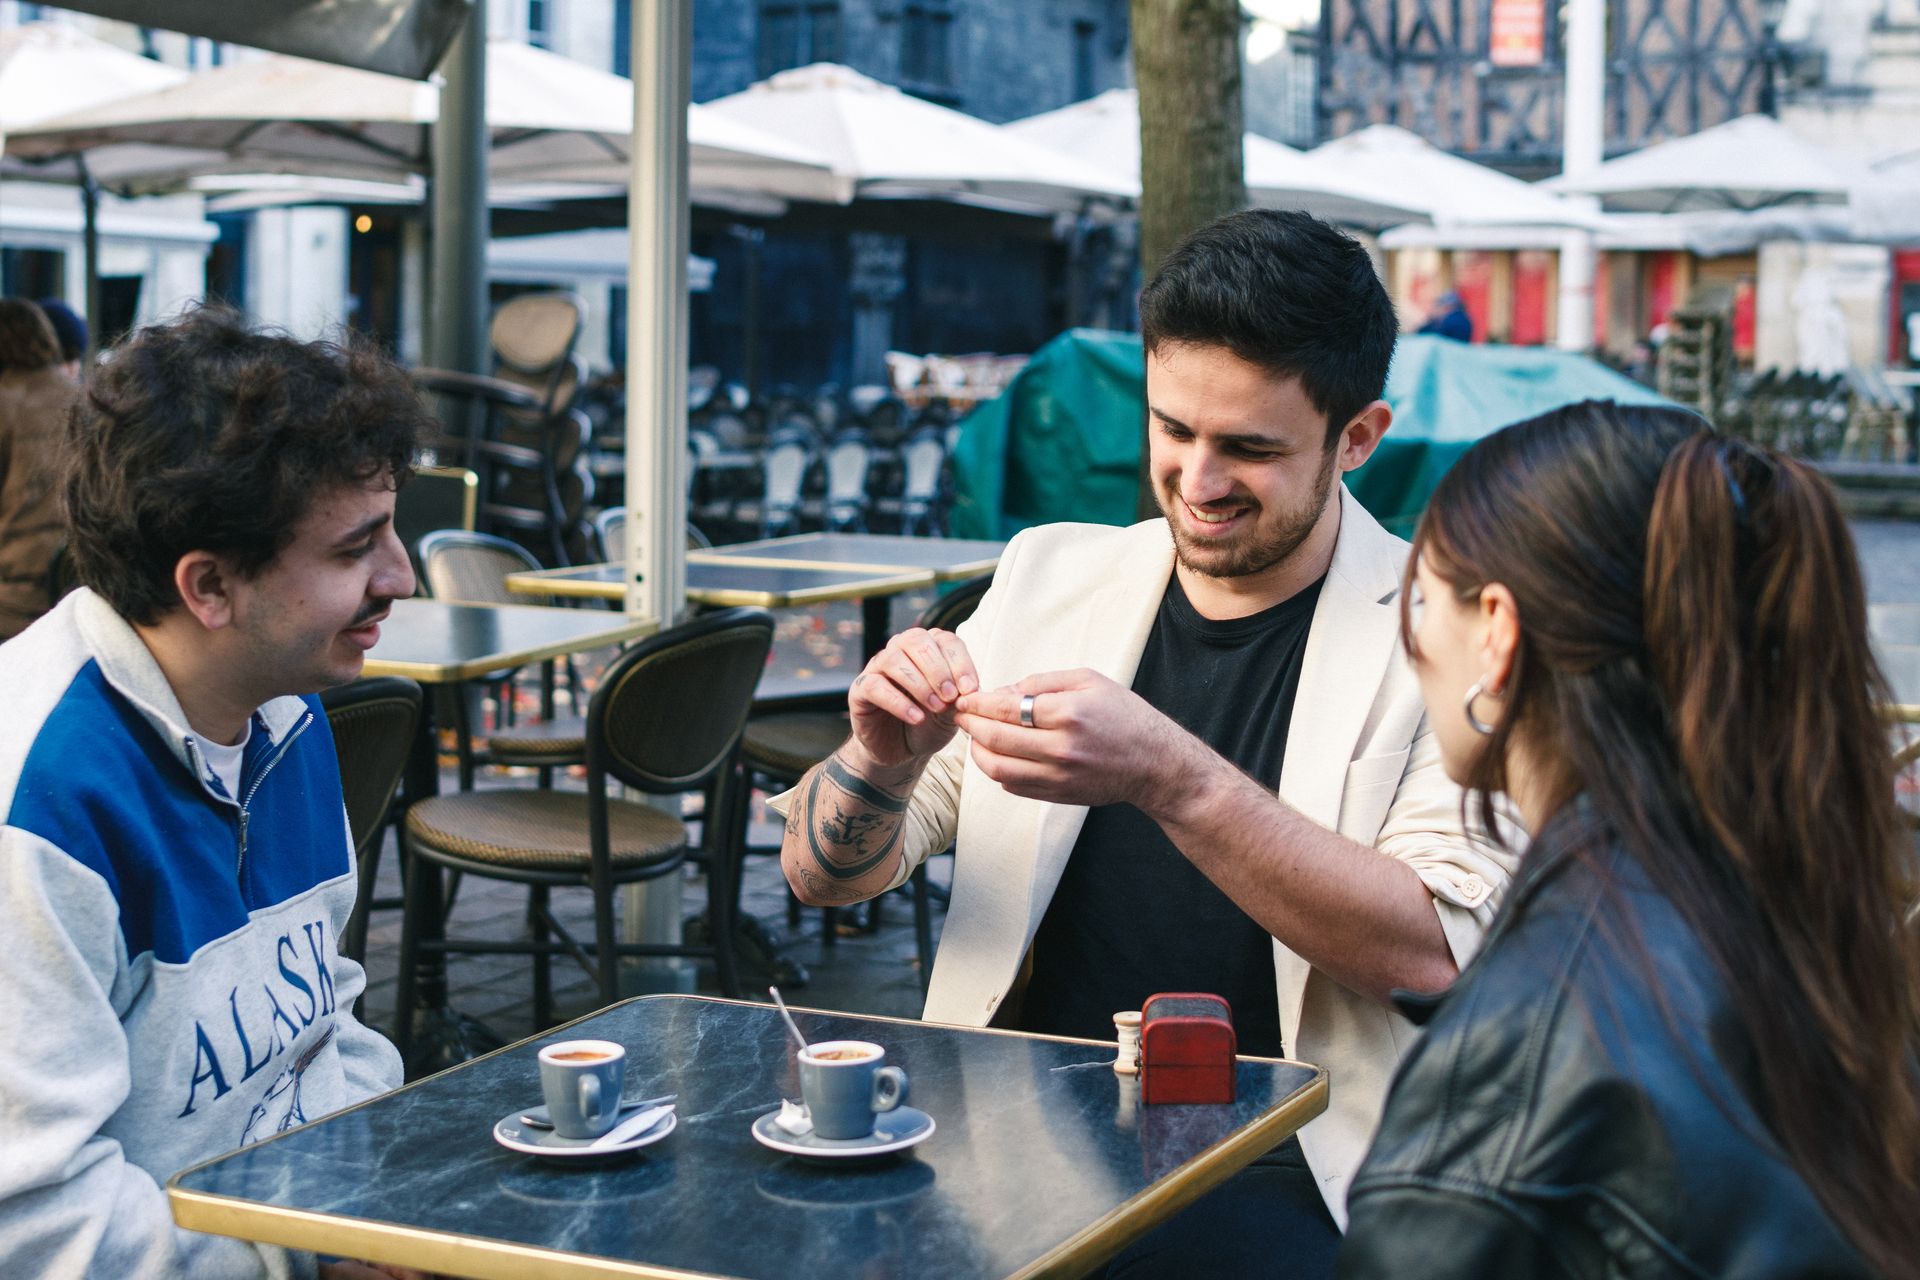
{"type": "Point", "coordinates": [845, 1082]}
{"type": "Point", "coordinates": [581, 1080]}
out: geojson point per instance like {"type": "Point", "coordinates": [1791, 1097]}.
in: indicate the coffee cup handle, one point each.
{"type": "Point", "coordinates": [889, 1088]}
{"type": "Point", "coordinates": [590, 1097]}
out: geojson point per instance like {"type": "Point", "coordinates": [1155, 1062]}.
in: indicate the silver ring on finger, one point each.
{"type": "Point", "coordinates": [1026, 709]}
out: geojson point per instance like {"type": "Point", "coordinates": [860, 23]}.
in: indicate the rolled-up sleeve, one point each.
{"type": "Point", "coordinates": [1465, 871]}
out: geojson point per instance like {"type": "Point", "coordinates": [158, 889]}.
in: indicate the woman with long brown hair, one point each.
{"type": "Point", "coordinates": [1691, 1043]}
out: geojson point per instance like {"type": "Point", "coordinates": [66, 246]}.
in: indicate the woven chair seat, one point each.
{"type": "Point", "coordinates": [788, 743]}
{"type": "Point", "coordinates": [562, 741]}
{"type": "Point", "coordinates": [540, 830]}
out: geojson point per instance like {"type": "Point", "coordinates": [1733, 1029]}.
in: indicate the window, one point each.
{"type": "Point", "coordinates": [925, 34]}
{"type": "Point", "coordinates": [792, 35]}
{"type": "Point", "coordinates": [540, 23]}
{"type": "Point", "coordinates": [1084, 34]}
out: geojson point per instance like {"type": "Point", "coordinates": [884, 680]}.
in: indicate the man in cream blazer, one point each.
{"type": "Point", "coordinates": [1002, 738]}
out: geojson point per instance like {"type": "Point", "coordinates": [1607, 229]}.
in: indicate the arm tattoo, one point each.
{"type": "Point", "coordinates": [861, 816]}
{"type": "Point", "coordinates": [860, 789]}
{"type": "Point", "coordinates": [825, 890]}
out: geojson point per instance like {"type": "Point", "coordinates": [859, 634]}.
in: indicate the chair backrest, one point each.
{"type": "Point", "coordinates": [373, 723]}
{"type": "Point", "coordinates": [611, 527]}
{"type": "Point", "coordinates": [435, 498]}
{"type": "Point", "coordinates": [955, 607]}
{"type": "Point", "coordinates": [847, 464]}
{"type": "Point", "coordinates": [536, 331]}
{"type": "Point", "coordinates": [785, 467]}
{"type": "Point", "coordinates": [668, 712]}
{"type": "Point", "coordinates": [922, 458]}
{"type": "Point", "coordinates": [472, 567]}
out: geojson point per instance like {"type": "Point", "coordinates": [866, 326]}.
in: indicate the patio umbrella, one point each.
{"type": "Point", "coordinates": [47, 70]}
{"type": "Point", "coordinates": [285, 115]}
{"type": "Point", "coordinates": [1278, 176]}
{"type": "Point", "coordinates": [1751, 163]}
{"type": "Point", "coordinates": [1450, 190]}
{"type": "Point", "coordinates": [400, 37]}
{"type": "Point", "coordinates": [884, 143]}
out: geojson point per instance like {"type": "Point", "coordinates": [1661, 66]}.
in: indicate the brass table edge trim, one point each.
{"type": "Point", "coordinates": [1100, 1240]}
{"type": "Point", "coordinates": [802, 596]}
{"type": "Point", "coordinates": [530, 583]}
{"type": "Point", "coordinates": [945, 573]}
{"type": "Point", "coordinates": [476, 1257]}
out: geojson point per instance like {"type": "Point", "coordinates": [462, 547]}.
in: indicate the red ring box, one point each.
{"type": "Point", "coordinates": [1186, 1048]}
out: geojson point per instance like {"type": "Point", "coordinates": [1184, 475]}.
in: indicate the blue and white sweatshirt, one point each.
{"type": "Point", "coordinates": [169, 984]}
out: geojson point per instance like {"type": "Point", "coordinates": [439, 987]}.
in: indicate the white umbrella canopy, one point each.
{"type": "Point", "coordinates": [1751, 163]}
{"type": "Point", "coordinates": [884, 143]}
{"type": "Point", "coordinates": [284, 115]}
{"type": "Point", "coordinates": [1450, 190]}
{"type": "Point", "coordinates": [48, 69]}
{"type": "Point", "coordinates": [1278, 176]}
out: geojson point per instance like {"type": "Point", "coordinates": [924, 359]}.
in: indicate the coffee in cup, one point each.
{"type": "Point", "coordinates": [845, 1082]}
{"type": "Point", "coordinates": [582, 1081]}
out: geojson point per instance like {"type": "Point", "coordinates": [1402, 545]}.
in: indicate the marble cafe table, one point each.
{"type": "Point", "coordinates": [1043, 1161]}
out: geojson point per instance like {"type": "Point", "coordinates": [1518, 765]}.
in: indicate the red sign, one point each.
{"type": "Point", "coordinates": [1518, 35]}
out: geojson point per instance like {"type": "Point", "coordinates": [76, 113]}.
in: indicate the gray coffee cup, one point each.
{"type": "Point", "coordinates": [581, 1080]}
{"type": "Point", "coordinates": [845, 1082]}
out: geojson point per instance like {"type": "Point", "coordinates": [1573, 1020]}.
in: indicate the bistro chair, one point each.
{"type": "Point", "coordinates": [848, 462]}
{"type": "Point", "coordinates": [435, 498]}
{"type": "Point", "coordinates": [784, 740]}
{"type": "Point", "coordinates": [374, 722]}
{"type": "Point", "coordinates": [472, 568]}
{"type": "Point", "coordinates": [665, 720]}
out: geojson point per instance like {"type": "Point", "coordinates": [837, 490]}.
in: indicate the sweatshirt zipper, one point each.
{"type": "Point", "coordinates": [240, 861]}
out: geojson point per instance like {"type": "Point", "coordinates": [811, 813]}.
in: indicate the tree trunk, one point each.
{"type": "Point", "coordinates": [1186, 61]}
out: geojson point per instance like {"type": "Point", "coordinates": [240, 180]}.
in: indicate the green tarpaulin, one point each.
{"type": "Point", "coordinates": [1063, 442]}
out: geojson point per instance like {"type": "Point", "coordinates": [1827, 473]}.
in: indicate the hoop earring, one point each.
{"type": "Point", "coordinates": [1479, 726]}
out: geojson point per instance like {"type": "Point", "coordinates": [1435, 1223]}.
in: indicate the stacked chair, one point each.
{"type": "Point", "coordinates": [521, 429]}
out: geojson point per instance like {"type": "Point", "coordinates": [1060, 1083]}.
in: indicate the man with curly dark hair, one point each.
{"type": "Point", "coordinates": [174, 860]}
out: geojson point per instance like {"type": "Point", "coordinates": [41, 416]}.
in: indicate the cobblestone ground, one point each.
{"type": "Point", "coordinates": [852, 969]}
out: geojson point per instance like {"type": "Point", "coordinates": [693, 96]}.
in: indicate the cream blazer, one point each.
{"type": "Point", "coordinates": [1359, 759]}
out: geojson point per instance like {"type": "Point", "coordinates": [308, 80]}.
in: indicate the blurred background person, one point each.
{"type": "Point", "coordinates": [1449, 318]}
{"type": "Point", "coordinates": [71, 330]}
{"type": "Point", "coordinates": [1691, 1043]}
{"type": "Point", "coordinates": [35, 396]}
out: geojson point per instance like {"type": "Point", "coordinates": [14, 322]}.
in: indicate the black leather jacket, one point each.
{"type": "Point", "coordinates": [1581, 1105]}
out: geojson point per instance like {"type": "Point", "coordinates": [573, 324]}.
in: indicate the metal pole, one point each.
{"type": "Point", "coordinates": [90, 247]}
{"type": "Point", "coordinates": [1583, 142]}
{"type": "Point", "coordinates": [658, 218]}
{"type": "Point", "coordinates": [657, 317]}
{"type": "Point", "coordinates": [457, 332]}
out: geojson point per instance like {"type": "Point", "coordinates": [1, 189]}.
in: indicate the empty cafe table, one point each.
{"type": "Point", "coordinates": [948, 559]}
{"type": "Point", "coordinates": [1042, 1161]}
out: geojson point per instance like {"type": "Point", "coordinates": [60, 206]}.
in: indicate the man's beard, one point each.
{"type": "Point", "coordinates": [1257, 549]}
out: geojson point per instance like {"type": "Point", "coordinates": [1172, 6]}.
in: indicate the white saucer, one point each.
{"type": "Point", "coordinates": [894, 1130]}
{"type": "Point", "coordinates": [514, 1136]}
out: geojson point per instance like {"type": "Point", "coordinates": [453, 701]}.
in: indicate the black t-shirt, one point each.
{"type": "Point", "coordinates": [1132, 916]}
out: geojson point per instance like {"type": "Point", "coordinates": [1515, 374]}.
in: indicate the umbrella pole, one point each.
{"type": "Point", "coordinates": [458, 334]}
{"type": "Point", "coordinates": [657, 313]}
{"type": "Point", "coordinates": [90, 250]}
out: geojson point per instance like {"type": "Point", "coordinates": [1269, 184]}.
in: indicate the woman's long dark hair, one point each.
{"type": "Point", "coordinates": [1694, 658]}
